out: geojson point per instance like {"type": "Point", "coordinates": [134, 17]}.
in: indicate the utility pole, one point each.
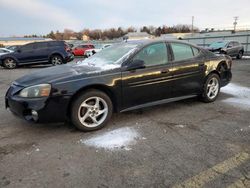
{"type": "Point", "coordinates": [192, 24]}
{"type": "Point", "coordinates": [236, 18]}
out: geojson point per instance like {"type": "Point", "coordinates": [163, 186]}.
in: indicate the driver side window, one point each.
{"type": "Point", "coordinates": [155, 54]}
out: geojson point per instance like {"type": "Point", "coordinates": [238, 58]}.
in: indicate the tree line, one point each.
{"type": "Point", "coordinates": [114, 33]}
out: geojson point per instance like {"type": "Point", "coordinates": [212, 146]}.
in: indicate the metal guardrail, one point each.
{"type": "Point", "coordinates": [207, 40]}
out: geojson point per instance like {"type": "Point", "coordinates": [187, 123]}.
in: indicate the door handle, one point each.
{"type": "Point", "coordinates": [165, 71]}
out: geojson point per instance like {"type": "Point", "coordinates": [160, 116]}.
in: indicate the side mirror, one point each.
{"type": "Point", "coordinates": [18, 50]}
{"type": "Point", "coordinates": [229, 46]}
{"type": "Point", "coordinates": [136, 64]}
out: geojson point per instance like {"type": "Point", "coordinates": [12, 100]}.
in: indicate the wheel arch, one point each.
{"type": "Point", "coordinates": [98, 87]}
{"type": "Point", "coordinates": [222, 64]}
{"type": "Point", "coordinates": [56, 53]}
{"type": "Point", "coordinates": [12, 57]}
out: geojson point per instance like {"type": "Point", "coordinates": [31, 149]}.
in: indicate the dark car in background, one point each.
{"type": "Point", "coordinates": [231, 48]}
{"type": "Point", "coordinates": [13, 48]}
{"type": "Point", "coordinates": [50, 52]}
{"type": "Point", "coordinates": [123, 77]}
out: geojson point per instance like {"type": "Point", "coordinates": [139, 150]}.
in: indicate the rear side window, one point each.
{"type": "Point", "coordinates": [196, 51]}
{"type": "Point", "coordinates": [41, 45]}
{"type": "Point", "coordinates": [28, 47]}
{"type": "Point", "coordinates": [182, 51]}
{"type": "Point", "coordinates": [55, 43]}
{"type": "Point", "coordinates": [154, 54]}
{"type": "Point", "coordinates": [236, 43]}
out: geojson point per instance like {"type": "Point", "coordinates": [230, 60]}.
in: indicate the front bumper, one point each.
{"type": "Point", "coordinates": [41, 110]}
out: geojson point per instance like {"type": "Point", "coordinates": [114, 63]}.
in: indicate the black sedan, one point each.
{"type": "Point", "coordinates": [124, 77]}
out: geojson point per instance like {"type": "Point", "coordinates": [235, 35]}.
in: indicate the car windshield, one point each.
{"type": "Point", "coordinates": [111, 55]}
{"type": "Point", "coordinates": [218, 44]}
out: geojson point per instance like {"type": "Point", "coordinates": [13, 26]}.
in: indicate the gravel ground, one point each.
{"type": "Point", "coordinates": [181, 144]}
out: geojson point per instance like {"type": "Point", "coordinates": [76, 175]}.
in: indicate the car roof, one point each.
{"type": "Point", "coordinates": [151, 41]}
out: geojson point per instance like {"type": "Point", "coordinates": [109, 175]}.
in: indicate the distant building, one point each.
{"type": "Point", "coordinates": [85, 38]}
{"type": "Point", "coordinates": [11, 41]}
{"type": "Point", "coordinates": [72, 38]}
{"type": "Point", "coordinates": [138, 36]}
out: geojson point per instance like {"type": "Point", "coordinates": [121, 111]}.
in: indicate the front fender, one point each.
{"type": "Point", "coordinates": [8, 56]}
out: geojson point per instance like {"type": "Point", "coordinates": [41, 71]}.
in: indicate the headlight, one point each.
{"type": "Point", "coordinates": [42, 90]}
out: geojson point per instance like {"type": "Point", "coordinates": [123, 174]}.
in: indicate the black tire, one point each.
{"type": "Point", "coordinates": [240, 55]}
{"type": "Point", "coordinates": [206, 97]}
{"type": "Point", "coordinates": [77, 110]}
{"type": "Point", "coordinates": [9, 63]}
{"type": "Point", "coordinates": [56, 60]}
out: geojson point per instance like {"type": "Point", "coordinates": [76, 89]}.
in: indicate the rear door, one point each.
{"type": "Point", "coordinates": [231, 49]}
{"type": "Point", "coordinates": [188, 69]}
{"type": "Point", "coordinates": [151, 83]}
{"type": "Point", "coordinates": [237, 48]}
{"type": "Point", "coordinates": [41, 50]}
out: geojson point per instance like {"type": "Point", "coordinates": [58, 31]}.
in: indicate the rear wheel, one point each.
{"type": "Point", "coordinates": [56, 60]}
{"type": "Point", "coordinates": [211, 88]}
{"type": "Point", "coordinates": [9, 63]}
{"type": "Point", "coordinates": [91, 110]}
{"type": "Point", "coordinates": [239, 56]}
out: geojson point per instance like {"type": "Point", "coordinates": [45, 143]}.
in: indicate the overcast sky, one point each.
{"type": "Point", "coordinates": [20, 17]}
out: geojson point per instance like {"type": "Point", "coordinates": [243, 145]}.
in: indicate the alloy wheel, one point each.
{"type": "Point", "coordinates": [240, 55]}
{"type": "Point", "coordinates": [56, 60]}
{"type": "Point", "coordinates": [10, 63]}
{"type": "Point", "coordinates": [93, 112]}
{"type": "Point", "coordinates": [212, 88]}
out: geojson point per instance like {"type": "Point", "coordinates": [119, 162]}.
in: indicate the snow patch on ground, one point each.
{"type": "Point", "coordinates": [246, 57]}
{"type": "Point", "coordinates": [241, 95]}
{"type": "Point", "coordinates": [122, 138]}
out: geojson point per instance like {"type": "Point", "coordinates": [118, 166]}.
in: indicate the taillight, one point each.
{"type": "Point", "coordinates": [67, 48]}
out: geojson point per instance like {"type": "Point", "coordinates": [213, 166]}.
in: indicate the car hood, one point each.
{"type": "Point", "coordinates": [62, 73]}
{"type": "Point", "coordinates": [214, 49]}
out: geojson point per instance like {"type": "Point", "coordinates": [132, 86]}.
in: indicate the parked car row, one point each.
{"type": "Point", "coordinates": [49, 52]}
{"type": "Point", "coordinates": [91, 52]}
{"type": "Point", "coordinates": [88, 50]}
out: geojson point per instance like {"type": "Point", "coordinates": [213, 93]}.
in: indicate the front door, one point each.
{"type": "Point", "coordinates": [151, 83]}
{"type": "Point", "coordinates": [26, 54]}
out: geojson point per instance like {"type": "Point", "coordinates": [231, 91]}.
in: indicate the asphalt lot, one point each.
{"type": "Point", "coordinates": [181, 144]}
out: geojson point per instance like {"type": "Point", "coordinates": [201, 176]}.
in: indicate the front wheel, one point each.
{"type": "Point", "coordinates": [9, 63]}
{"type": "Point", "coordinates": [211, 88]}
{"type": "Point", "coordinates": [91, 110]}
